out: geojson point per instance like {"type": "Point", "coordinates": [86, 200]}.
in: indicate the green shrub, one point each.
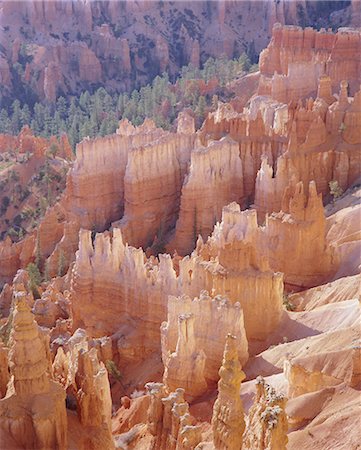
{"type": "Point", "coordinates": [35, 278]}
{"type": "Point", "coordinates": [113, 369]}
{"type": "Point", "coordinates": [335, 189]}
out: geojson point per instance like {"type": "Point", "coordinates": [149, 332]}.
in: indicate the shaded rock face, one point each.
{"type": "Point", "coordinates": [84, 43]}
{"type": "Point", "coordinates": [94, 400]}
{"type": "Point", "coordinates": [214, 178]}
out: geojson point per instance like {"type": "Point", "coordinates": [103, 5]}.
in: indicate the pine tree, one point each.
{"type": "Point", "coordinates": [16, 117]}
{"type": "Point", "coordinates": [25, 116]}
{"type": "Point", "coordinates": [5, 125]}
{"type": "Point", "coordinates": [61, 108]}
{"type": "Point", "coordinates": [35, 278]}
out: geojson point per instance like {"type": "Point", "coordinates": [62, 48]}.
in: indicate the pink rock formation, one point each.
{"type": "Point", "coordinates": [152, 197]}
{"type": "Point", "coordinates": [107, 273]}
{"type": "Point", "coordinates": [111, 264]}
{"type": "Point", "coordinates": [94, 400]}
{"type": "Point", "coordinates": [169, 421]}
{"type": "Point", "coordinates": [93, 42]}
{"type": "Point", "coordinates": [197, 340]}
{"type": "Point", "coordinates": [214, 179]}
{"type": "Point", "coordinates": [228, 264]}
{"type": "Point", "coordinates": [161, 189]}
{"type": "Point", "coordinates": [300, 270]}
{"type": "Point", "coordinates": [228, 419]}
{"type": "Point", "coordinates": [298, 57]}
{"type": "Point", "coordinates": [185, 367]}
{"type": "Point", "coordinates": [267, 421]}
{"type": "Point", "coordinates": [15, 256]}
{"type": "Point", "coordinates": [33, 402]}
{"type": "Point", "coordinates": [52, 305]}
{"type": "Point", "coordinates": [4, 369]}
{"type": "Point", "coordinates": [92, 168]}
{"type": "Point", "coordinates": [6, 296]}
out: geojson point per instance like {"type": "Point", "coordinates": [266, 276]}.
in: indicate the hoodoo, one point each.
{"type": "Point", "coordinates": [180, 225]}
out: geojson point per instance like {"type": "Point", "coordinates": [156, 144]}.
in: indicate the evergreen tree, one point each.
{"type": "Point", "coordinates": [5, 125]}
{"type": "Point", "coordinates": [201, 107]}
{"type": "Point", "coordinates": [16, 117]}
{"type": "Point", "coordinates": [35, 278]}
{"type": "Point", "coordinates": [25, 117]}
{"type": "Point", "coordinates": [62, 108]}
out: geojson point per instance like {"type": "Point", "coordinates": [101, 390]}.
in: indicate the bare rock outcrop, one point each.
{"type": "Point", "coordinates": [283, 235]}
{"type": "Point", "coordinates": [34, 402]}
{"type": "Point", "coordinates": [152, 196]}
{"type": "Point", "coordinates": [169, 421]}
{"type": "Point", "coordinates": [228, 423]}
{"type": "Point", "coordinates": [294, 74]}
{"type": "Point", "coordinates": [114, 276]}
{"type": "Point", "coordinates": [229, 264]}
{"type": "Point", "coordinates": [301, 217]}
{"type": "Point", "coordinates": [267, 423]}
{"type": "Point", "coordinates": [52, 305]}
{"type": "Point", "coordinates": [107, 173]}
{"type": "Point", "coordinates": [197, 341]}
{"type": "Point", "coordinates": [4, 369]}
{"type": "Point", "coordinates": [214, 179]}
{"type": "Point", "coordinates": [94, 400]}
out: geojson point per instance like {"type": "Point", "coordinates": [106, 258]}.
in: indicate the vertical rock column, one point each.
{"type": "Point", "coordinates": [94, 400]}
{"type": "Point", "coordinates": [169, 420]}
{"type": "Point", "coordinates": [228, 421]}
{"type": "Point", "coordinates": [267, 421]}
{"type": "Point", "coordinates": [33, 413]}
{"type": "Point", "coordinates": [186, 365]}
{"type": "Point", "coordinates": [4, 370]}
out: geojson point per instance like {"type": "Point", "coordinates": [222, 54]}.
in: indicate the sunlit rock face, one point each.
{"type": "Point", "coordinates": [228, 417]}
{"type": "Point", "coordinates": [296, 58]}
{"type": "Point", "coordinates": [191, 338]}
{"type": "Point", "coordinates": [214, 179]}
{"type": "Point", "coordinates": [267, 420]}
{"type": "Point", "coordinates": [34, 402]}
{"type": "Point", "coordinates": [172, 243]}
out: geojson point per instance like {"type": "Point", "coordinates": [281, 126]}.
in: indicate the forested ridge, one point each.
{"type": "Point", "coordinates": [97, 113]}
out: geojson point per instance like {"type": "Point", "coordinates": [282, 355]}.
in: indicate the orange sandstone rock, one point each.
{"type": "Point", "coordinates": [94, 400]}
{"type": "Point", "coordinates": [214, 179]}
{"type": "Point", "coordinates": [34, 402]}
{"type": "Point", "coordinates": [267, 421]}
{"type": "Point", "coordinates": [198, 340]}
{"type": "Point", "coordinates": [4, 369]}
{"type": "Point", "coordinates": [228, 418]}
